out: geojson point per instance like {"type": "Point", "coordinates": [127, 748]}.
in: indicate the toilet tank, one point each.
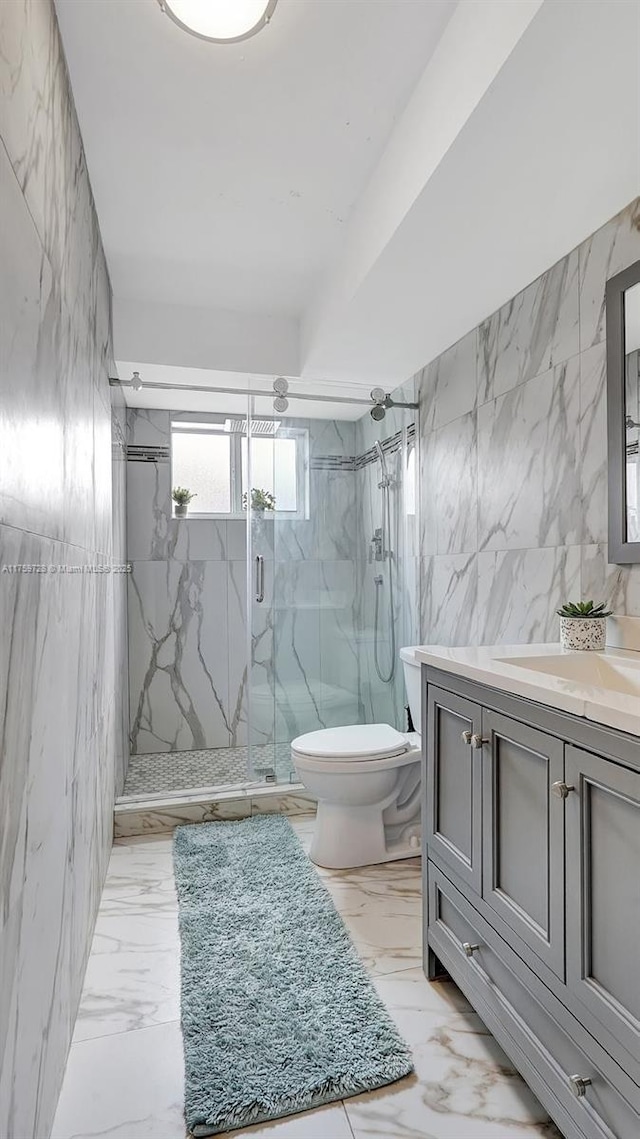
{"type": "Point", "coordinates": [412, 685]}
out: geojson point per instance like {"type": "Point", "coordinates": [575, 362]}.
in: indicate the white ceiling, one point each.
{"type": "Point", "coordinates": [224, 174]}
{"type": "Point", "coordinates": [344, 195]}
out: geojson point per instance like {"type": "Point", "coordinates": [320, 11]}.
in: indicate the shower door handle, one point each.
{"type": "Point", "coordinates": [259, 578]}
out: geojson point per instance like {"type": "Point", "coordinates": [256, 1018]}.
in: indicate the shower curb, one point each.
{"type": "Point", "coordinates": [161, 816]}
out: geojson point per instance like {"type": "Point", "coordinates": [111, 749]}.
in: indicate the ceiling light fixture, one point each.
{"type": "Point", "coordinates": [220, 21]}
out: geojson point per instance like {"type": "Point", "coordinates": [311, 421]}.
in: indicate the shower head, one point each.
{"type": "Point", "coordinates": [378, 412]}
{"type": "Point", "coordinates": [238, 426]}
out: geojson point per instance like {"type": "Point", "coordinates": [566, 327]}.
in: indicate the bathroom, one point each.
{"type": "Point", "coordinates": [360, 280]}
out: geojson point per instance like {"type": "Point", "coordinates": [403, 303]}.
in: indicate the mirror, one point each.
{"type": "Point", "coordinates": [632, 407]}
{"type": "Point", "coordinates": [623, 414]}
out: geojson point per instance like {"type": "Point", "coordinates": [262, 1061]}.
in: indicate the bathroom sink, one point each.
{"type": "Point", "coordinates": [599, 670]}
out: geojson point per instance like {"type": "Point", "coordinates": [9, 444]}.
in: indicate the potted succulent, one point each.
{"type": "Point", "coordinates": [583, 625]}
{"type": "Point", "coordinates": [260, 500]}
{"type": "Point", "coordinates": [181, 497]}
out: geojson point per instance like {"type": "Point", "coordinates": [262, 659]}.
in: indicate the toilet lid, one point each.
{"type": "Point", "coordinates": [358, 741]}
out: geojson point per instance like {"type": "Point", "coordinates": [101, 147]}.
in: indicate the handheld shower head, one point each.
{"type": "Point", "coordinates": [378, 412]}
{"type": "Point", "coordinates": [377, 446]}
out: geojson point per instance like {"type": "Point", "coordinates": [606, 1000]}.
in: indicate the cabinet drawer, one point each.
{"type": "Point", "coordinates": [539, 1046]}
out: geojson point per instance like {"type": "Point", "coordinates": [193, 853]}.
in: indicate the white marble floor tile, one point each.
{"type": "Point", "coordinates": [328, 1122]}
{"type": "Point", "coordinates": [124, 1077]}
{"type": "Point", "coordinates": [464, 1086]}
{"type": "Point", "coordinates": [381, 908]}
{"type": "Point", "coordinates": [409, 996]}
{"type": "Point", "coordinates": [131, 1086]}
{"type": "Point", "coordinates": [126, 1086]}
{"type": "Point", "coordinates": [133, 976]}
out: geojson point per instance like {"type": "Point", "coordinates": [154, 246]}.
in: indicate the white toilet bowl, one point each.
{"type": "Point", "coordinates": [366, 778]}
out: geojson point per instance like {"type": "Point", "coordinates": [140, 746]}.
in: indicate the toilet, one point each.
{"type": "Point", "coordinates": [366, 778]}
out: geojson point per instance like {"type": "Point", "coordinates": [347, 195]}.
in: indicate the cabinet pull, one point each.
{"type": "Point", "coordinates": [579, 1085]}
{"type": "Point", "coordinates": [466, 737]}
{"type": "Point", "coordinates": [470, 949]}
{"type": "Point", "coordinates": [561, 790]}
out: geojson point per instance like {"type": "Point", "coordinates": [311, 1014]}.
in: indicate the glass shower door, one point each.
{"type": "Point", "coordinates": [258, 490]}
{"type": "Point", "coordinates": [326, 617]}
{"type": "Point", "coordinates": [303, 529]}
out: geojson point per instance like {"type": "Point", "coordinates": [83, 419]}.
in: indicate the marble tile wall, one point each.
{"type": "Point", "coordinates": [62, 753]}
{"type": "Point", "coordinates": [513, 458]}
{"type": "Point", "coordinates": [188, 608]}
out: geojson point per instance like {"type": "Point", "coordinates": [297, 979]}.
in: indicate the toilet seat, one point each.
{"type": "Point", "coordinates": [356, 743]}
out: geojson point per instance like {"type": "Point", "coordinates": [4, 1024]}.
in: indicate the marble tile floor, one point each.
{"type": "Point", "coordinates": [124, 1076]}
{"type": "Point", "coordinates": [163, 772]}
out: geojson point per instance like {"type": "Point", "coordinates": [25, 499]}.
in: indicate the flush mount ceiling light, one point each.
{"type": "Point", "coordinates": [221, 21]}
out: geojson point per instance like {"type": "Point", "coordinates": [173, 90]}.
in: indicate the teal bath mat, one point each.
{"type": "Point", "coordinates": [278, 1013]}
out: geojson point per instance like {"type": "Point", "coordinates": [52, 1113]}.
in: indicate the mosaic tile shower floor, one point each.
{"type": "Point", "coordinates": [164, 772]}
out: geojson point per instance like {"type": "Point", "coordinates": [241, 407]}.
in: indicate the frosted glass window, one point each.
{"type": "Point", "coordinates": [202, 463]}
{"type": "Point", "coordinates": [274, 469]}
{"type": "Point", "coordinates": [212, 464]}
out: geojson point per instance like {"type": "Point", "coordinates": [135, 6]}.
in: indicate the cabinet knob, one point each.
{"type": "Point", "coordinates": [579, 1085]}
{"type": "Point", "coordinates": [472, 739]}
{"type": "Point", "coordinates": [469, 949]}
{"type": "Point", "coordinates": [561, 789]}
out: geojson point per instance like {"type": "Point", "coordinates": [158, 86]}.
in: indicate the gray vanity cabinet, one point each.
{"type": "Point", "coordinates": [532, 892]}
{"type": "Point", "coordinates": [454, 774]}
{"type": "Point", "coordinates": [523, 833]}
{"type": "Point", "coordinates": [603, 892]}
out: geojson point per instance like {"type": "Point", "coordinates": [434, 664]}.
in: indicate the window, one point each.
{"type": "Point", "coordinates": [202, 462]}
{"type": "Point", "coordinates": [211, 460]}
{"type": "Point", "coordinates": [274, 469]}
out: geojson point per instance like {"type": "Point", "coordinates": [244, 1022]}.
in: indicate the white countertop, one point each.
{"type": "Point", "coordinates": [494, 665]}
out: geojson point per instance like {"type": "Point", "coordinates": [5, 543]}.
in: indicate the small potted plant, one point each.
{"type": "Point", "coordinates": [182, 497]}
{"type": "Point", "coordinates": [583, 625]}
{"type": "Point", "coordinates": [260, 500]}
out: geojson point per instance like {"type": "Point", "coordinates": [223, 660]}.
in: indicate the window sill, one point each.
{"type": "Point", "coordinates": [268, 515]}
{"type": "Point", "coordinates": [193, 517]}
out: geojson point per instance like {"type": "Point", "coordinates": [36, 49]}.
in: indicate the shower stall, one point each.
{"type": "Point", "coordinates": [278, 604]}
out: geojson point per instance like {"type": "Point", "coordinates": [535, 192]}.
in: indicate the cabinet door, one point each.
{"type": "Point", "coordinates": [603, 892]}
{"type": "Point", "coordinates": [523, 826]}
{"type": "Point", "coordinates": [453, 803]}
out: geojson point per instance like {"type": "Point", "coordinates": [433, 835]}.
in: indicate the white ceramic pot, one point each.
{"type": "Point", "coordinates": [583, 633]}
{"type": "Point", "coordinates": [181, 509]}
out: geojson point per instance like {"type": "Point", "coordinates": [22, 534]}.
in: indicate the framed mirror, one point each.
{"type": "Point", "coordinates": [623, 414]}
